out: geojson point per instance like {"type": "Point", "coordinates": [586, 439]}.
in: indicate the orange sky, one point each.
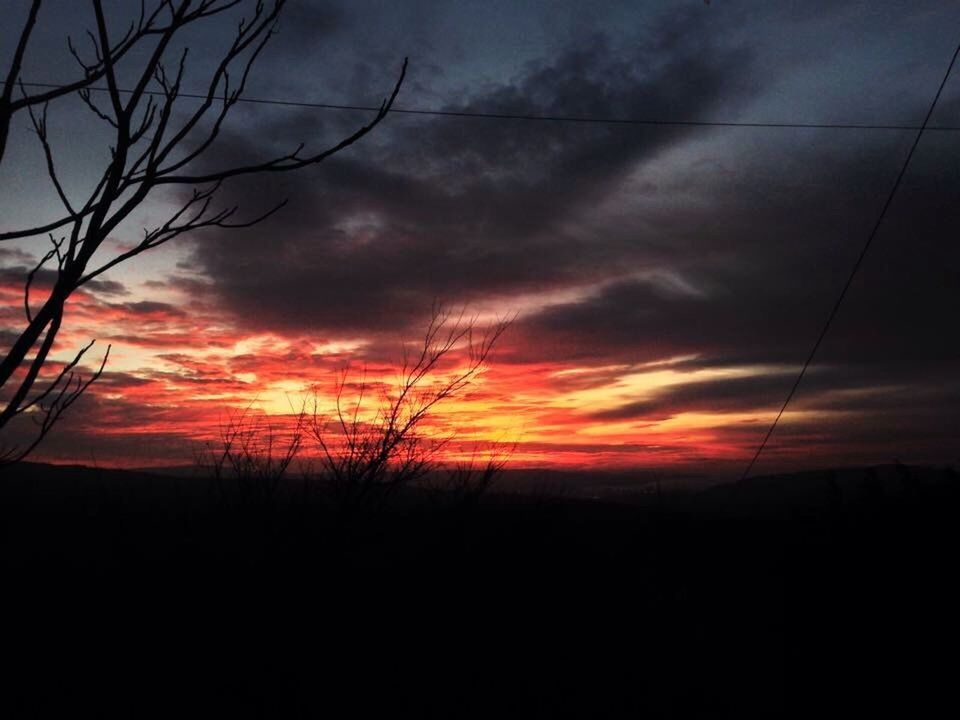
{"type": "Point", "coordinates": [178, 370]}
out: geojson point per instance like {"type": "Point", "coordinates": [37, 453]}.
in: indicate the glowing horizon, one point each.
{"type": "Point", "coordinates": [541, 414]}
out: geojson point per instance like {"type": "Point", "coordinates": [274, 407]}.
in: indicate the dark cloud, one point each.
{"type": "Point", "coordinates": [304, 25]}
{"type": "Point", "coordinates": [16, 275]}
{"type": "Point", "coordinates": [727, 395]}
{"type": "Point", "coordinates": [107, 287]}
{"type": "Point", "coordinates": [837, 389]}
{"type": "Point", "coordinates": [770, 256]}
{"type": "Point", "coordinates": [9, 255]}
{"type": "Point", "coordinates": [459, 209]}
{"type": "Point", "coordinates": [152, 307]}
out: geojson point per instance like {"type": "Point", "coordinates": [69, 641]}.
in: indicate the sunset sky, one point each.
{"type": "Point", "coordinates": [667, 281]}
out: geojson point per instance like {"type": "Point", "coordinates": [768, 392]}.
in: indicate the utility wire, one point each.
{"type": "Point", "coordinates": [548, 118]}
{"type": "Point", "coordinates": [856, 265]}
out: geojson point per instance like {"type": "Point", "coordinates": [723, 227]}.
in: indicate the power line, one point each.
{"type": "Point", "coordinates": [856, 265]}
{"type": "Point", "coordinates": [547, 118]}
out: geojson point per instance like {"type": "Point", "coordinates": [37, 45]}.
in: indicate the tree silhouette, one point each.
{"type": "Point", "coordinates": [252, 456]}
{"type": "Point", "coordinates": [367, 457]}
{"type": "Point", "coordinates": [152, 146]}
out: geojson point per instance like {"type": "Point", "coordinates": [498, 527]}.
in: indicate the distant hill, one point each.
{"type": "Point", "coordinates": [810, 489]}
{"type": "Point", "coordinates": [820, 489]}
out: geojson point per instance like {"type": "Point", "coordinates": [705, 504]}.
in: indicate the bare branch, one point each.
{"type": "Point", "coordinates": [254, 455]}
{"type": "Point", "coordinates": [13, 74]}
{"type": "Point", "coordinates": [376, 456]}
{"type": "Point", "coordinates": [148, 149]}
{"type": "Point", "coordinates": [291, 161]}
{"type": "Point", "coordinates": [13, 407]}
{"type": "Point", "coordinates": [145, 27]}
{"type": "Point", "coordinates": [245, 37]}
{"type": "Point", "coordinates": [69, 387]}
{"type": "Point", "coordinates": [170, 229]}
{"type": "Point", "coordinates": [94, 108]}
{"type": "Point", "coordinates": [7, 107]}
{"type": "Point", "coordinates": [107, 59]}
{"type": "Point", "coordinates": [40, 128]}
{"type": "Point", "coordinates": [55, 252]}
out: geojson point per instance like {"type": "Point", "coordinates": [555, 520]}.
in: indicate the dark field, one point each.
{"type": "Point", "coordinates": [133, 595]}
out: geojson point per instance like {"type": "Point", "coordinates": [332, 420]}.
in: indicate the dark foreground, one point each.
{"type": "Point", "coordinates": [134, 596]}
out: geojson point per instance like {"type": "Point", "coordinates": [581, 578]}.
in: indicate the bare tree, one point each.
{"type": "Point", "coordinates": [153, 145]}
{"type": "Point", "coordinates": [252, 457]}
{"type": "Point", "coordinates": [92, 71]}
{"type": "Point", "coordinates": [368, 458]}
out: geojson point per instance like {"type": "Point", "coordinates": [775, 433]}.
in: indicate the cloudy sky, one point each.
{"type": "Point", "coordinates": [667, 280]}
